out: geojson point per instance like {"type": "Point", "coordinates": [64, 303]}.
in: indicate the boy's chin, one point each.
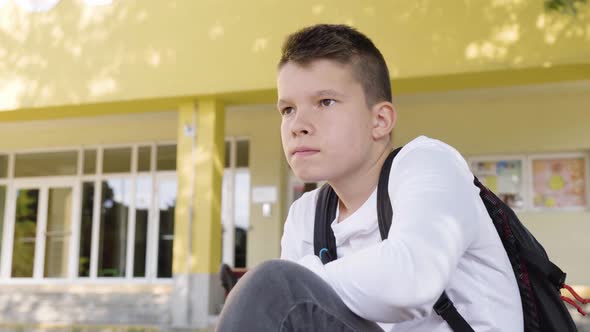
{"type": "Point", "coordinates": [308, 177]}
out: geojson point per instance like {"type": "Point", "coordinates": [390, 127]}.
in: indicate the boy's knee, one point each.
{"type": "Point", "coordinates": [270, 274]}
{"type": "Point", "coordinates": [274, 268]}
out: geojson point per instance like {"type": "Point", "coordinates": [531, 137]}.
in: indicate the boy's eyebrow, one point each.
{"type": "Point", "coordinates": [281, 102]}
{"type": "Point", "coordinates": [328, 93]}
{"type": "Point", "coordinates": [317, 94]}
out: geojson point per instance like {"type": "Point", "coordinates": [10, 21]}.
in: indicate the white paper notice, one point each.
{"type": "Point", "coordinates": [267, 194]}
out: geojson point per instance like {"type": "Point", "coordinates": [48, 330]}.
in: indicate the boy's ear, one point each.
{"type": "Point", "coordinates": [384, 118]}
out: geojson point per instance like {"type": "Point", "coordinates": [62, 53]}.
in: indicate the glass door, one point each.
{"type": "Point", "coordinates": [41, 230]}
{"type": "Point", "coordinates": [26, 222]}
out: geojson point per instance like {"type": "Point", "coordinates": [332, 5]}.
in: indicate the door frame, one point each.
{"type": "Point", "coordinates": [43, 185]}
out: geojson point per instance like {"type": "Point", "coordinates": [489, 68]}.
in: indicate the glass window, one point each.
{"type": "Point", "coordinates": [143, 199]}
{"type": "Point", "coordinates": [25, 232]}
{"type": "Point", "coordinates": [57, 241]}
{"type": "Point", "coordinates": [46, 164]}
{"type": "Point", "coordinates": [113, 227]}
{"type": "Point", "coordinates": [144, 159]}
{"type": "Point", "coordinates": [227, 152]}
{"type": "Point", "coordinates": [242, 216]}
{"type": "Point", "coordinates": [238, 202]}
{"type": "Point", "coordinates": [243, 153]}
{"type": "Point", "coordinates": [2, 209]}
{"type": "Point", "coordinates": [116, 160]}
{"type": "Point", "coordinates": [225, 196]}
{"type": "Point", "coordinates": [86, 229]}
{"type": "Point", "coordinates": [3, 166]}
{"type": "Point", "coordinates": [166, 207]}
{"type": "Point", "coordinates": [166, 158]}
{"type": "Point", "coordinates": [242, 198]}
{"type": "Point", "coordinates": [89, 161]}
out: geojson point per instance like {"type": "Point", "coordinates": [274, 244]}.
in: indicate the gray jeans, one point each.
{"type": "Point", "coordinates": [282, 296]}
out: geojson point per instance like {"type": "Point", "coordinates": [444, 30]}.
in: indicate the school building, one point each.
{"type": "Point", "coordinates": [140, 144]}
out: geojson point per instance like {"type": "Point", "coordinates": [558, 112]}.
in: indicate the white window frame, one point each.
{"type": "Point", "coordinates": [41, 236]}
{"type": "Point", "coordinates": [77, 180]}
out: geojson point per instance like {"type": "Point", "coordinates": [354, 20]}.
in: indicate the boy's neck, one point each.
{"type": "Point", "coordinates": [354, 190]}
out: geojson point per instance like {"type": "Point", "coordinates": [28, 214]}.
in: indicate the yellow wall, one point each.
{"type": "Point", "coordinates": [73, 132]}
{"type": "Point", "coordinates": [142, 49]}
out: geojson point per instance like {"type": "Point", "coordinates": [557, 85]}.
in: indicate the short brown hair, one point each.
{"type": "Point", "coordinates": [345, 45]}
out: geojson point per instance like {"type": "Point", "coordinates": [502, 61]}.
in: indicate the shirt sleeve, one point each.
{"type": "Point", "coordinates": [290, 242]}
{"type": "Point", "coordinates": [435, 215]}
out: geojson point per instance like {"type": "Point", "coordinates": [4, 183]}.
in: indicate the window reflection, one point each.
{"type": "Point", "coordinates": [116, 160]}
{"type": "Point", "coordinates": [3, 166]}
{"type": "Point", "coordinates": [57, 241]}
{"type": "Point", "coordinates": [86, 229]}
{"type": "Point", "coordinates": [115, 204]}
{"type": "Point", "coordinates": [166, 158]}
{"type": "Point", "coordinates": [89, 161]}
{"type": "Point", "coordinates": [166, 207]}
{"type": "Point", "coordinates": [46, 164]}
{"type": "Point", "coordinates": [144, 158]}
{"type": "Point", "coordinates": [2, 209]}
{"type": "Point", "coordinates": [242, 215]}
{"type": "Point", "coordinates": [25, 231]}
{"type": "Point", "coordinates": [143, 199]}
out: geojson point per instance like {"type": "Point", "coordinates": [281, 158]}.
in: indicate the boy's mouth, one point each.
{"type": "Point", "coordinates": [304, 151]}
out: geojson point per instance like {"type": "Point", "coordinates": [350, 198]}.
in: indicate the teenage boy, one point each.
{"type": "Point", "coordinates": [337, 122]}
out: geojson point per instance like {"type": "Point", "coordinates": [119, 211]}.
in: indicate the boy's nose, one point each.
{"type": "Point", "coordinates": [301, 124]}
{"type": "Point", "coordinates": [302, 132]}
{"type": "Point", "coordinates": [299, 129]}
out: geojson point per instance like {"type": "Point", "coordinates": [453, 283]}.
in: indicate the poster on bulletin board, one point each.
{"type": "Point", "coordinates": [503, 177]}
{"type": "Point", "coordinates": [559, 183]}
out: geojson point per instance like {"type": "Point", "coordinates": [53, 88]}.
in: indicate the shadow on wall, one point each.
{"type": "Point", "coordinates": [507, 34]}
{"type": "Point", "coordinates": [33, 44]}
{"type": "Point", "coordinates": [40, 53]}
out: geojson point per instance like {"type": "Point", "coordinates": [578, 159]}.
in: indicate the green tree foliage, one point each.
{"type": "Point", "coordinates": [564, 6]}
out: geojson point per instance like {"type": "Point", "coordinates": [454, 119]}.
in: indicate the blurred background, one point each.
{"type": "Point", "coordinates": [140, 144]}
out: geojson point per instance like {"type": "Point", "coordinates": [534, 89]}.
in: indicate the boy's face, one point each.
{"type": "Point", "coordinates": [326, 124]}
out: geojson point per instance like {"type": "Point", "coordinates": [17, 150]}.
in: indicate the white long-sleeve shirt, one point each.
{"type": "Point", "coordinates": [441, 238]}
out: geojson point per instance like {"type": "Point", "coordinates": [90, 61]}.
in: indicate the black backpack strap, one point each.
{"type": "Point", "coordinates": [445, 308]}
{"type": "Point", "coordinates": [384, 210]}
{"type": "Point", "coordinates": [324, 242]}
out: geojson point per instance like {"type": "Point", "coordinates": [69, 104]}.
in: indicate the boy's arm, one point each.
{"type": "Point", "coordinates": [435, 212]}
{"type": "Point", "coordinates": [290, 246]}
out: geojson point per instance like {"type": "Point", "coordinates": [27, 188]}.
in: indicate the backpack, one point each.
{"type": "Point", "coordinates": [539, 280]}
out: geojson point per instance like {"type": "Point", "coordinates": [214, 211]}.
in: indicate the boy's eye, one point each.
{"type": "Point", "coordinates": [286, 110]}
{"type": "Point", "coordinates": [327, 102]}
